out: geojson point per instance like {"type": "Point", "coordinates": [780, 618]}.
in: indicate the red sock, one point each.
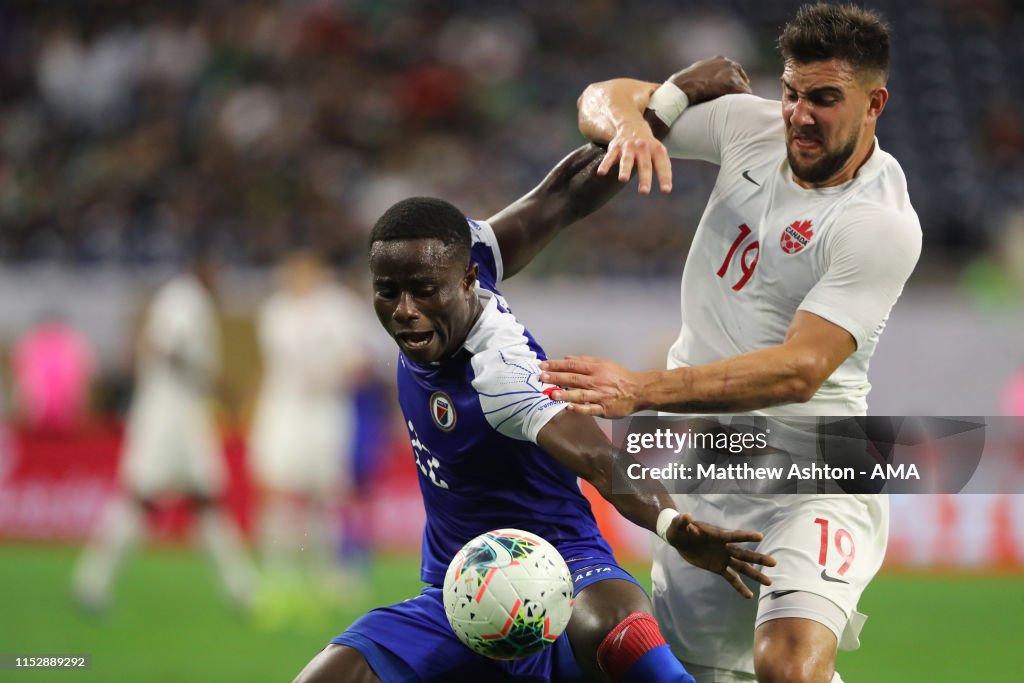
{"type": "Point", "coordinates": [635, 636]}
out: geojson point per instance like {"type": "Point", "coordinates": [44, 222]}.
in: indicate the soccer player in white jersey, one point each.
{"type": "Point", "coordinates": [171, 444]}
{"type": "Point", "coordinates": [803, 249]}
{"type": "Point", "coordinates": [311, 333]}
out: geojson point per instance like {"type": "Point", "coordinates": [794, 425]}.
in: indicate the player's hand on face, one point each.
{"type": "Point", "coordinates": [710, 78]}
{"type": "Point", "coordinates": [634, 146]}
{"type": "Point", "coordinates": [596, 386]}
{"type": "Point", "coordinates": [713, 548]}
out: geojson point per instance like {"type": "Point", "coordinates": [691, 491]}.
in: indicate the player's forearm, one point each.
{"type": "Point", "coordinates": [571, 191]}
{"type": "Point", "coordinates": [751, 381]}
{"type": "Point", "coordinates": [617, 110]}
{"type": "Point", "coordinates": [606, 108]}
{"type": "Point", "coordinates": [574, 190]}
{"type": "Point", "coordinates": [639, 501]}
{"type": "Point", "coordinates": [578, 443]}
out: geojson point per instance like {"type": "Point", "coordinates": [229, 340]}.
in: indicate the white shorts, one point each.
{"type": "Point", "coordinates": [301, 446]}
{"type": "Point", "coordinates": [826, 545]}
{"type": "Point", "coordinates": [172, 449]}
{"type": "Point", "coordinates": [171, 444]}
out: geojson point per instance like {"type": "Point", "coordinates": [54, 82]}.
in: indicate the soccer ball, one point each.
{"type": "Point", "coordinates": [508, 594]}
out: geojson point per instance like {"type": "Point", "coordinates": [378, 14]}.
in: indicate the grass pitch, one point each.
{"type": "Point", "coordinates": [170, 624]}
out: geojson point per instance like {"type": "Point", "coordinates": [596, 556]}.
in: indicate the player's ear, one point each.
{"type": "Point", "coordinates": [469, 279]}
{"type": "Point", "coordinates": [876, 102]}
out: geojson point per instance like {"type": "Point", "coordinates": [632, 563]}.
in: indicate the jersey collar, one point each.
{"type": "Point", "coordinates": [478, 334]}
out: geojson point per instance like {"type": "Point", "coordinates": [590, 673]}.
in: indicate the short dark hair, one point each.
{"type": "Point", "coordinates": [821, 32]}
{"type": "Point", "coordinates": [424, 218]}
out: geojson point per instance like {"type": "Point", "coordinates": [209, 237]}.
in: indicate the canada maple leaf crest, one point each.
{"type": "Point", "coordinates": [795, 236]}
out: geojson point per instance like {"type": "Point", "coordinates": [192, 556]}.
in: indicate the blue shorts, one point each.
{"type": "Point", "coordinates": [412, 642]}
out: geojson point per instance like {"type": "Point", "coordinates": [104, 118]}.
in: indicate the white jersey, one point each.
{"type": "Point", "coordinates": [181, 320]}
{"type": "Point", "coordinates": [311, 343]}
{"type": "Point", "coordinates": [767, 247]}
{"type": "Point", "coordinates": [312, 346]}
{"type": "Point", "coordinates": [171, 441]}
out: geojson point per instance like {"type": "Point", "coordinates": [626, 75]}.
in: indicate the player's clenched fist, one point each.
{"type": "Point", "coordinates": [710, 78]}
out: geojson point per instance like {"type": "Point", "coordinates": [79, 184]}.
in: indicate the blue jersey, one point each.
{"type": "Point", "coordinates": [473, 421]}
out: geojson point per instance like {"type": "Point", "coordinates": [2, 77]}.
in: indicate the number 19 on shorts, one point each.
{"type": "Point", "coordinates": [842, 543]}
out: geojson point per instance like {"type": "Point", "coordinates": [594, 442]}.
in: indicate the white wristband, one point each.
{"type": "Point", "coordinates": [665, 518]}
{"type": "Point", "coordinates": [668, 103]}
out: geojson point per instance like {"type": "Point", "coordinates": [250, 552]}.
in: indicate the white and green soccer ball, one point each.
{"type": "Point", "coordinates": [508, 594]}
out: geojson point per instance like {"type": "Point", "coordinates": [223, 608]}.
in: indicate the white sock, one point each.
{"type": "Point", "coordinates": [282, 538]}
{"type": "Point", "coordinates": [223, 543]}
{"type": "Point", "coordinates": [836, 678]}
{"type": "Point", "coordinates": [321, 543]}
{"type": "Point", "coordinates": [119, 528]}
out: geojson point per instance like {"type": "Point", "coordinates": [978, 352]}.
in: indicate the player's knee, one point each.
{"type": "Point", "coordinates": [599, 609]}
{"type": "Point", "coordinates": [798, 650]}
{"type": "Point", "coordinates": [778, 663]}
{"type": "Point", "coordinates": [604, 605]}
{"type": "Point", "coordinates": [337, 663]}
{"type": "Point", "coordinates": [790, 672]}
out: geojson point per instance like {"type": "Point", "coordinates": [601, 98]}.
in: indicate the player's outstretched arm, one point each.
{"type": "Point", "coordinates": [790, 372]}
{"type": "Point", "coordinates": [572, 190]}
{"type": "Point", "coordinates": [632, 117]}
{"type": "Point", "coordinates": [606, 107]}
{"type": "Point", "coordinates": [578, 443]}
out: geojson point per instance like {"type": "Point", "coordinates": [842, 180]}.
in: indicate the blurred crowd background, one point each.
{"type": "Point", "coordinates": [132, 128]}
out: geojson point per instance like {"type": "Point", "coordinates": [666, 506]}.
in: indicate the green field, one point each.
{"type": "Point", "coordinates": [170, 625]}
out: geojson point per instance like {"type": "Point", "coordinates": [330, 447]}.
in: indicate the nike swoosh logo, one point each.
{"type": "Point", "coordinates": [781, 594]}
{"type": "Point", "coordinates": [832, 579]}
{"type": "Point", "coordinates": [746, 176]}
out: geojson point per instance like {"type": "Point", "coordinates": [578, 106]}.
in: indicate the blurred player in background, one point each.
{"type": "Point", "coordinates": [171, 444]}
{"type": "Point", "coordinates": [493, 449]}
{"type": "Point", "coordinates": [802, 251]}
{"type": "Point", "coordinates": [311, 333]}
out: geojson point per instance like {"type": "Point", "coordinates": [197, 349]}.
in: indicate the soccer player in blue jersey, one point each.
{"type": "Point", "coordinates": [493, 450]}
